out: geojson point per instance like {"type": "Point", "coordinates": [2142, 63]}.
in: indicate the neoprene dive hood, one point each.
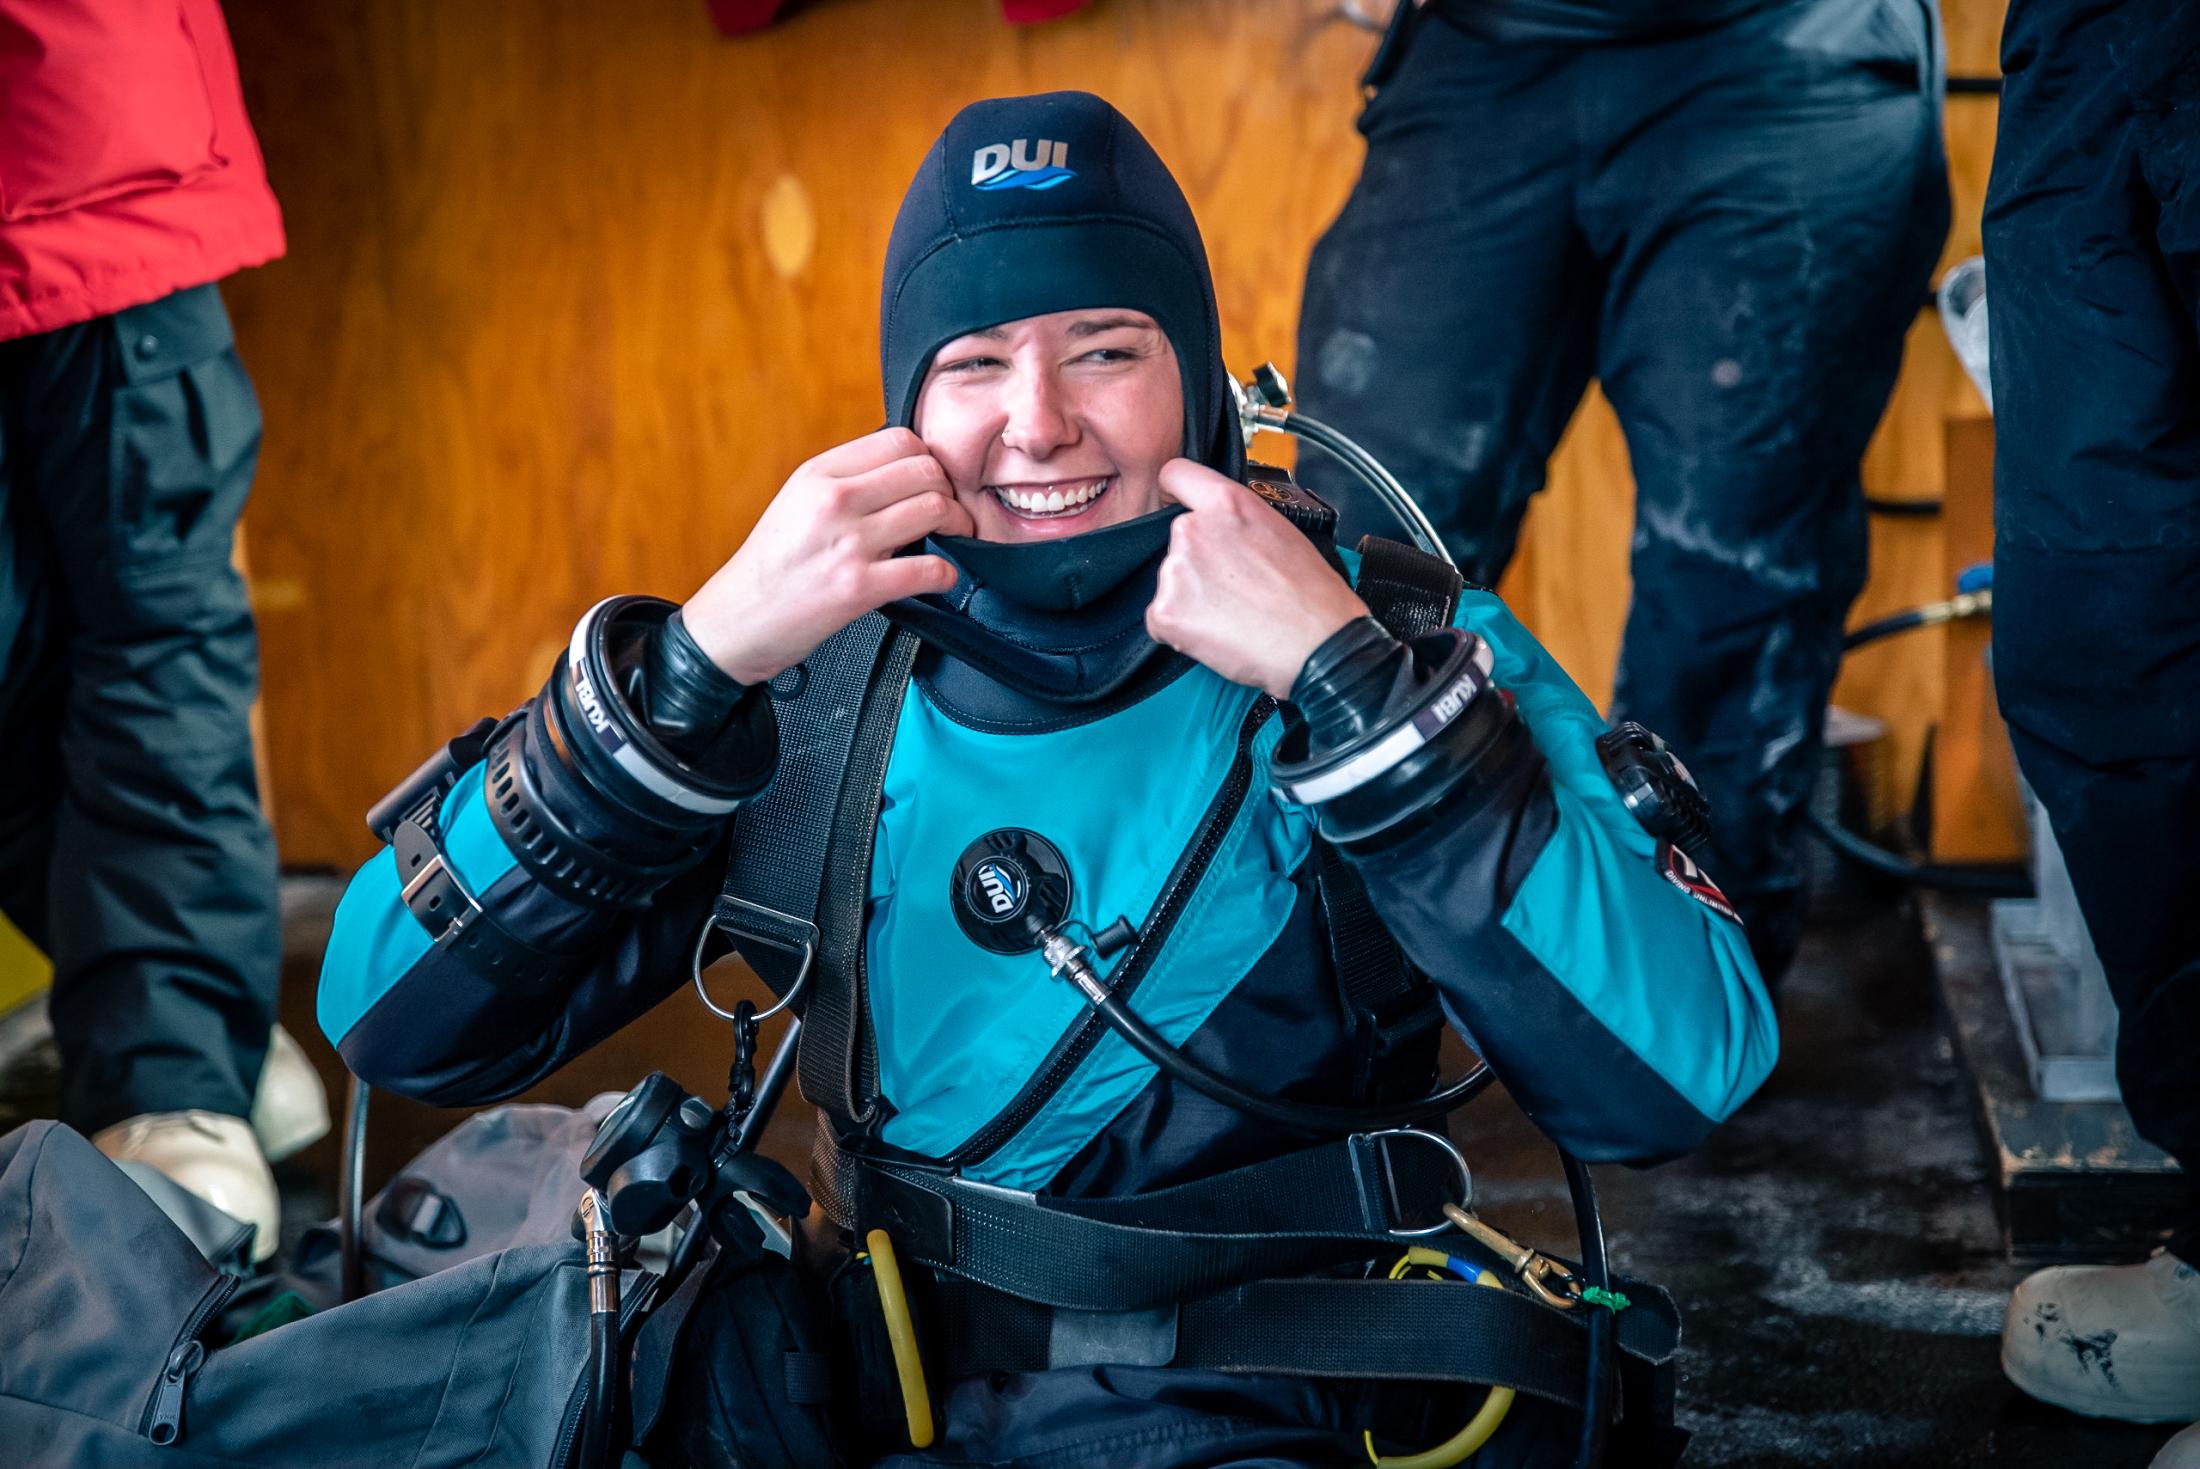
{"type": "Point", "coordinates": [1025, 206]}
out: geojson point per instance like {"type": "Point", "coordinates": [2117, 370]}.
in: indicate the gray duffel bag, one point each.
{"type": "Point", "coordinates": [108, 1354]}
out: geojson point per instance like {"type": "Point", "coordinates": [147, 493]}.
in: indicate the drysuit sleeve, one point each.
{"type": "Point", "coordinates": [1608, 984]}
{"type": "Point", "coordinates": [424, 1020]}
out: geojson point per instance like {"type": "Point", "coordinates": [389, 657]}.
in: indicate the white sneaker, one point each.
{"type": "Point", "coordinates": [2109, 1341]}
{"type": "Point", "coordinates": [290, 1108]}
{"type": "Point", "coordinates": [211, 1155]}
{"type": "Point", "coordinates": [2181, 1452]}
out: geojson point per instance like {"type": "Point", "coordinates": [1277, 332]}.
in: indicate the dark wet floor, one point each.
{"type": "Point", "coordinates": [1834, 1248]}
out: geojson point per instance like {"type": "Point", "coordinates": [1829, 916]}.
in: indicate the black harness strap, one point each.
{"type": "Point", "coordinates": [1304, 1210]}
{"type": "Point", "coordinates": [1356, 1330]}
{"type": "Point", "coordinates": [1197, 1276]}
{"type": "Point", "coordinates": [1392, 1020]}
{"type": "Point", "coordinates": [801, 856]}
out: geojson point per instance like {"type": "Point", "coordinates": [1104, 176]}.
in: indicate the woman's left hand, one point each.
{"type": "Point", "coordinates": [1242, 590]}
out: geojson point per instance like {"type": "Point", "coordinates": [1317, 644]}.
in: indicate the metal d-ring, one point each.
{"type": "Point", "coordinates": [807, 948]}
{"type": "Point", "coordinates": [1466, 1178]}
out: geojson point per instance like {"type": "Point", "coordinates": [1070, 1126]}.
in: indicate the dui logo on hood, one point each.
{"type": "Point", "coordinates": [1026, 163]}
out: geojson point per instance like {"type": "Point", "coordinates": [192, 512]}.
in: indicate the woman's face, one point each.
{"type": "Point", "coordinates": [1055, 425]}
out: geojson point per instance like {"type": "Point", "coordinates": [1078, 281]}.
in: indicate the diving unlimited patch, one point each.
{"type": "Point", "coordinates": [1681, 870]}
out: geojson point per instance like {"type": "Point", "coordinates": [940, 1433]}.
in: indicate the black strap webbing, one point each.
{"type": "Point", "coordinates": [1190, 1277]}
{"type": "Point", "coordinates": [793, 859]}
{"type": "Point", "coordinates": [453, 916]}
{"type": "Point", "coordinates": [1305, 1210]}
{"type": "Point", "coordinates": [1410, 592]}
{"type": "Point", "coordinates": [1412, 1330]}
{"type": "Point", "coordinates": [1390, 1012]}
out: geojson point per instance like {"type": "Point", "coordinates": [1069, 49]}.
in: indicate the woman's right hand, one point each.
{"type": "Point", "coordinates": [822, 554]}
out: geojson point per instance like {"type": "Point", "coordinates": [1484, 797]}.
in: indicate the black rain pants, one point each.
{"type": "Point", "coordinates": [2093, 286]}
{"type": "Point", "coordinates": [132, 845]}
{"type": "Point", "coordinates": [1732, 230]}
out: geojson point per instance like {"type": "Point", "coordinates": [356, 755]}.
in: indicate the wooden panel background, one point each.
{"type": "Point", "coordinates": [572, 286]}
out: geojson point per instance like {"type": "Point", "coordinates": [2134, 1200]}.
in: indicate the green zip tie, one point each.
{"type": "Point", "coordinates": [1610, 1300]}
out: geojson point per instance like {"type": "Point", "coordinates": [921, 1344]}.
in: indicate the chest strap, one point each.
{"type": "Point", "coordinates": [801, 855]}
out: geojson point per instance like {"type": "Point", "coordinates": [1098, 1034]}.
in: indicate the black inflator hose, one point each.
{"type": "Point", "coordinates": [1922, 874]}
{"type": "Point", "coordinates": [1596, 1406]}
{"type": "Point", "coordinates": [600, 1398]}
{"type": "Point", "coordinates": [1305, 1116]}
{"type": "Point", "coordinates": [603, 1383]}
{"type": "Point", "coordinates": [1885, 627]}
{"type": "Point", "coordinates": [1856, 849]}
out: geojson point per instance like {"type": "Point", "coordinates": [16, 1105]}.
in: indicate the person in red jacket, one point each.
{"type": "Point", "coordinates": [132, 845]}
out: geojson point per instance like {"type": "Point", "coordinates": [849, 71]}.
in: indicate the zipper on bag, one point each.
{"type": "Point", "coordinates": [164, 1414]}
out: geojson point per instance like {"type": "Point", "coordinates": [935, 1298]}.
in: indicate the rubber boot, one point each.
{"type": "Point", "coordinates": [211, 1155]}
{"type": "Point", "coordinates": [2109, 1341]}
{"type": "Point", "coordinates": [290, 1106]}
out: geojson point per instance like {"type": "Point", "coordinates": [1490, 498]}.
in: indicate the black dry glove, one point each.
{"type": "Point", "coordinates": [686, 698]}
{"type": "Point", "coordinates": [1349, 681]}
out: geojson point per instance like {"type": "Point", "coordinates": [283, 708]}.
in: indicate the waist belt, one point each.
{"type": "Point", "coordinates": [1373, 1330]}
{"type": "Point", "coordinates": [1187, 1276]}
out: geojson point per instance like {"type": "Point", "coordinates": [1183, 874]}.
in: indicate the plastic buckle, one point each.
{"type": "Point", "coordinates": [920, 1219]}
{"type": "Point", "coordinates": [1145, 1338]}
{"type": "Point", "coordinates": [1393, 1205]}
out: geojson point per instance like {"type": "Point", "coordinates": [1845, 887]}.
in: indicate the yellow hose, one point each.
{"type": "Point", "coordinates": [1494, 1407]}
{"type": "Point", "coordinates": [901, 1332]}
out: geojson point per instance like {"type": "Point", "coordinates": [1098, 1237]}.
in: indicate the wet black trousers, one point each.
{"type": "Point", "coordinates": [2093, 279]}
{"type": "Point", "coordinates": [1731, 230]}
{"type": "Point", "coordinates": [132, 846]}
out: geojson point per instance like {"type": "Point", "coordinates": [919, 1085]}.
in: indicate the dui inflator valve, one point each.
{"type": "Point", "coordinates": [1656, 787]}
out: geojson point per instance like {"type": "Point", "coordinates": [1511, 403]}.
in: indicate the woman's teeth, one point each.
{"type": "Point", "coordinates": [1054, 499]}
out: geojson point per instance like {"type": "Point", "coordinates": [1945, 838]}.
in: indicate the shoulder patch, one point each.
{"type": "Point", "coordinates": [1681, 870]}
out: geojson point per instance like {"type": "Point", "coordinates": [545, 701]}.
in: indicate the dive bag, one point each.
{"type": "Point", "coordinates": [115, 1356]}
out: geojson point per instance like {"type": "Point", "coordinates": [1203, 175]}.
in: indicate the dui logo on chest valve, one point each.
{"type": "Point", "coordinates": [1002, 884]}
{"type": "Point", "coordinates": [1006, 882]}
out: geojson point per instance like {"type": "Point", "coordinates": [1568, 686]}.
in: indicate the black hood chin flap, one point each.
{"type": "Point", "coordinates": [1061, 622]}
{"type": "Point", "coordinates": [1064, 575]}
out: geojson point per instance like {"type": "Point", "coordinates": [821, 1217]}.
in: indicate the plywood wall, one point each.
{"type": "Point", "coordinates": [573, 286]}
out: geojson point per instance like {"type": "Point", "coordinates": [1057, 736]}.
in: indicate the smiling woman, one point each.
{"type": "Point", "coordinates": [1052, 354]}
{"type": "Point", "coordinates": [1040, 613]}
{"type": "Point", "coordinates": [1056, 424]}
